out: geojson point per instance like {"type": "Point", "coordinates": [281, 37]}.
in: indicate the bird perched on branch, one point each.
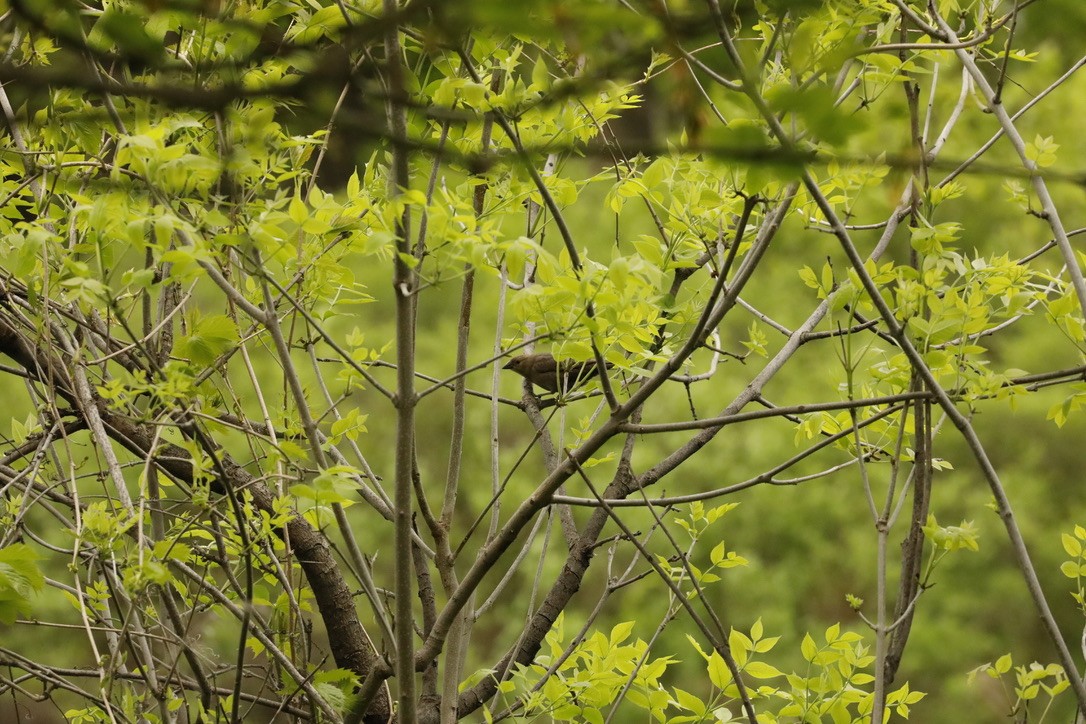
{"type": "Point", "coordinates": [543, 370]}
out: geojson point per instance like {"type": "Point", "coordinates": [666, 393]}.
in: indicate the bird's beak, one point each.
{"type": "Point", "coordinates": [509, 365]}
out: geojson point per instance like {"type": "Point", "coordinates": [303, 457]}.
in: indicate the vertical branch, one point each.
{"type": "Point", "coordinates": [912, 547]}
{"type": "Point", "coordinates": [461, 630]}
{"type": "Point", "coordinates": [886, 665]}
{"type": "Point", "coordinates": [404, 285]}
{"type": "Point", "coordinates": [884, 644]}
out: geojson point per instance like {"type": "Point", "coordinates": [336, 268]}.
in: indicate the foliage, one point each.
{"type": "Point", "coordinates": [262, 262]}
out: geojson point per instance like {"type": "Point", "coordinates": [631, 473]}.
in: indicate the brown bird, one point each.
{"type": "Point", "coordinates": [544, 371]}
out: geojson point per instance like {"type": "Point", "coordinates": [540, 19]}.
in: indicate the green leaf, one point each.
{"type": "Point", "coordinates": [298, 210]}
{"type": "Point", "coordinates": [808, 648]}
{"type": "Point", "coordinates": [130, 34]}
{"type": "Point", "coordinates": [653, 176]}
{"type": "Point", "coordinates": [350, 425]}
{"type": "Point", "coordinates": [293, 450]}
{"type": "Point", "coordinates": [19, 578]}
{"type": "Point", "coordinates": [816, 108]}
{"type": "Point", "coordinates": [762, 670]}
{"type": "Point", "coordinates": [620, 633]}
{"type": "Point", "coordinates": [541, 76]}
{"type": "Point", "coordinates": [209, 338]}
{"type": "Point", "coordinates": [689, 702]}
{"type": "Point", "coordinates": [1072, 545]}
{"type": "Point", "coordinates": [335, 685]}
{"type": "Point", "coordinates": [324, 22]}
{"type": "Point", "coordinates": [718, 671]}
{"type": "Point", "coordinates": [1042, 151]}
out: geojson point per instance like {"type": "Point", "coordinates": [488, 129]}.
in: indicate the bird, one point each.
{"type": "Point", "coordinates": [543, 370]}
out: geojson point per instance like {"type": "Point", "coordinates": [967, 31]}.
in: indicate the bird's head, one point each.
{"type": "Point", "coordinates": [517, 363]}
